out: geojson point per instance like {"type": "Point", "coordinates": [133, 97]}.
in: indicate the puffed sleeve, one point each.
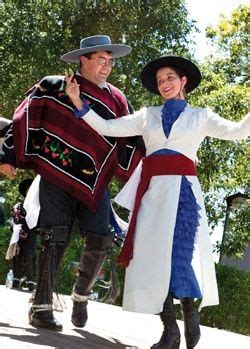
{"type": "Point", "coordinates": [221, 128]}
{"type": "Point", "coordinates": [126, 126]}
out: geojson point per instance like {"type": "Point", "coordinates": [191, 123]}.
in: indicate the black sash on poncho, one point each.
{"type": "Point", "coordinates": [65, 151]}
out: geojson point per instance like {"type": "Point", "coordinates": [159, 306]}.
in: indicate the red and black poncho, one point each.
{"type": "Point", "coordinates": [64, 150]}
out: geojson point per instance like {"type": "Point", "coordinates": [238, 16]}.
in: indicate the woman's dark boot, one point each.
{"type": "Point", "coordinates": [191, 322]}
{"type": "Point", "coordinates": [95, 250]}
{"type": "Point", "coordinates": [170, 338]}
{"type": "Point", "coordinates": [53, 243]}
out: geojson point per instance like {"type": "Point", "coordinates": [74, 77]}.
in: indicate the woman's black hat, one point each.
{"type": "Point", "coordinates": [191, 71]}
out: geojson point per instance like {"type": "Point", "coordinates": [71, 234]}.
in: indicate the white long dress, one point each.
{"type": "Point", "coordinates": [148, 274]}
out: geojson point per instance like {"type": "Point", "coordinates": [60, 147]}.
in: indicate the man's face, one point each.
{"type": "Point", "coordinates": [97, 68]}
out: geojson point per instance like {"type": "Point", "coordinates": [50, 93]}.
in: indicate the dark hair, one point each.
{"type": "Point", "coordinates": [89, 54]}
{"type": "Point", "coordinates": [178, 71]}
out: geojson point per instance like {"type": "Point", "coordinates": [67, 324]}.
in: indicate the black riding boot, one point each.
{"type": "Point", "coordinates": [170, 338]}
{"type": "Point", "coordinates": [95, 250]}
{"type": "Point", "coordinates": [191, 322]}
{"type": "Point", "coordinates": [53, 244]}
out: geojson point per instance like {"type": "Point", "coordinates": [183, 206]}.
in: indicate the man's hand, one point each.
{"type": "Point", "coordinates": [73, 91]}
{"type": "Point", "coordinates": [8, 170]}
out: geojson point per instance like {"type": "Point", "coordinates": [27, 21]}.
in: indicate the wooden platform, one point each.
{"type": "Point", "coordinates": [108, 327]}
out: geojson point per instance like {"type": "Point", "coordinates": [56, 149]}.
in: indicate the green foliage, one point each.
{"type": "Point", "coordinates": [222, 164]}
{"type": "Point", "coordinates": [36, 33]}
{"type": "Point", "coordinates": [231, 37]}
{"type": "Point", "coordinates": [237, 233]}
{"type": "Point", "coordinates": [222, 167]}
{"type": "Point", "coordinates": [233, 312]}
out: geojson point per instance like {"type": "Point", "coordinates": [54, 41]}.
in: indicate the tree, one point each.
{"type": "Point", "coordinates": [34, 34]}
{"type": "Point", "coordinates": [231, 36]}
{"type": "Point", "coordinates": [37, 33]}
{"type": "Point", "coordinates": [223, 164]}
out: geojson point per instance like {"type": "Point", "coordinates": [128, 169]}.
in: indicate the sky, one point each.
{"type": "Point", "coordinates": [207, 12]}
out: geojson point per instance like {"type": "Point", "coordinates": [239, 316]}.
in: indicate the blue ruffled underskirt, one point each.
{"type": "Point", "coordinates": [183, 282]}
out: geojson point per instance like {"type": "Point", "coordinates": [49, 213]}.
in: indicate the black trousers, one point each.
{"type": "Point", "coordinates": [58, 208]}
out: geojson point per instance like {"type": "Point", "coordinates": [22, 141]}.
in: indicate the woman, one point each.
{"type": "Point", "coordinates": [167, 250]}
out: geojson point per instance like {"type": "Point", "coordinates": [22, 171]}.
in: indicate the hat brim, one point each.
{"type": "Point", "coordinates": [191, 71]}
{"type": "Point", "coordinates": [117, 51]}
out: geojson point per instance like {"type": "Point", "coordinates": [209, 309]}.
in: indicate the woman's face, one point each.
{"type": "Point", "coordinates": [170, 84]}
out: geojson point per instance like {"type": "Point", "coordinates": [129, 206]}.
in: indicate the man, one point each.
{"type": "Point", "coordinates": [75, 165]}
